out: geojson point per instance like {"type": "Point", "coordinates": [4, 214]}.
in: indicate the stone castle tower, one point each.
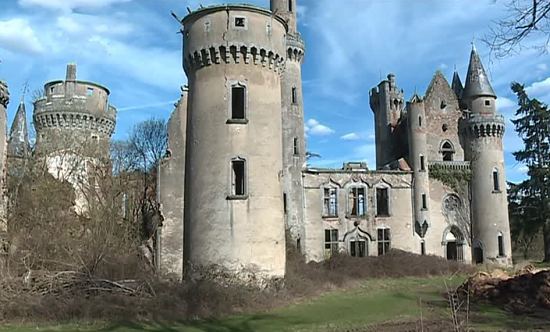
{"type": "Point", "coordinates": [4, 101]}
{"type": "Point", "coordinates": [234, 57]}
{"type": "Point", "coordinates": [73, 114]}
{"type": "Point", "coordinates": [294, 149]}
{"type": "Point", "coordinates": [483, 132]}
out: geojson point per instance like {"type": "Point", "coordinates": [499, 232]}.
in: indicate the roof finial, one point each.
{"type": "Point", "coordinates": [24, 92]}
{"type": "Point", "coordinates": [474, 44]}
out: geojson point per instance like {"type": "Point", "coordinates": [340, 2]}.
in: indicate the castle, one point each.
{"type": "Point", "coordinates": [438, 189]}
{"type": "Point", "coordinates": [235, 178]}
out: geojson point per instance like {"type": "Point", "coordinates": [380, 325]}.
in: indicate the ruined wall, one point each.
{"type": "Point", "coordinates": [227, 47]}
{"type": "Point", "coordinates": [170, 193]}
{"type": "Point", "coordinates": [4, 100]}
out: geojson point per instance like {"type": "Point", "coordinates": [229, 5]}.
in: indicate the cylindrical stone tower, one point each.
{"type": "Point", "coordinates": [418, 156]}
{"type": "Point", "coordinates": [4, 100]}
{"type": "Point", "coordinates": [294, 147]}
{"type": "Point", "coordinates": [484, 130]}
{"type": "Point", "coordinates": [74, 116]}
{"type": "Point", "coordinates": [234, 56]}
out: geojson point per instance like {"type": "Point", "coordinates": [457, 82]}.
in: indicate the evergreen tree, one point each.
{"type": "Point", "coordinates": [533, 194]}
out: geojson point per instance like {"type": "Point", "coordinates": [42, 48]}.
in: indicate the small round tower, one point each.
{"type": "Point", "coordinates": [484, 130]}
{"type": "Point", "coordinates": [294, 147]}
{"type": "Point", "coordinates": [234, 56]}
{"type": "Point", "coordinates": [74, 116]}
{"type": "Point", "coordinates": [418, 157]}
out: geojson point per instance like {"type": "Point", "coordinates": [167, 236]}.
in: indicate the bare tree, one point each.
{"type": "Point", "coordinates": [527, 25]}
{"type": "Point", "coordinates": [150, 140]}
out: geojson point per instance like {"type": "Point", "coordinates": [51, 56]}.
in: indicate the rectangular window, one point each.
{"type": "Point", "coordinates": [330, 202]}
{"type": "Point", "coordinates": [422, 248]}
{"type": "Point", "coordinates": [384, 241]}
{"type": "Point", "coordinates": [357, 201]}
{"type": "Point", "coordinates": [424, 202]}
{"type": "Point", "coordinates": [487, 103]}
{"type": "Point", "coordinates": [89, 91]}
{"type": "Point", "coordinates": [331, 242]}
{"type": "Point", "coordinates": [500, 246]}
{"type": "Point", "coordinates": [382, 202]}
{"type": "Point", "coordinates": [358, 248]}
{"type": "Point", "coordinates": [238, 101]}
{"type": "Point", "coordinates": [295, 146]}
{"type": "Point", "coordinates": [422, 164]}
{"type": "Point", "coordinates": [294, 95]}
{"type": "Point", "coordinates": [238, 182]}
{"type": "Point", "coordinates": [496, 184]}
{"type": "Point", "coordinates": [290, 6]}
{"type": "Point", "coordinates": [240, 22]}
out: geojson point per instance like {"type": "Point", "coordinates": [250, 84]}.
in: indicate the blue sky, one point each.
{"type": "Point", "coordinates": [132, 47]}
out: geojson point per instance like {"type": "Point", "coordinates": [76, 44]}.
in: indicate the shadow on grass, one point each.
{"type": "Point", "coordinates": [260, 322]}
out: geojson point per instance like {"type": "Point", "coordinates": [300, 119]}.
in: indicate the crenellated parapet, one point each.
{"type": "Point", "coordinates": [479, 126]}
{"type": "Point", "coordinates": [295, 47]}
{"type": "Point", "coordinates": [74, 120]}
{"type": "Point", "coordinates": [235, 53]}
{"type": "Point", "coordinates": [4, 94]}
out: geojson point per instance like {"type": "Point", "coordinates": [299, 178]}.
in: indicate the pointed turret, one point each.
{"type": "Point", "coordinates": [18, 143]}
{"type": "Point", "coordinates": [477, 82]}
{"type": "Point", "coordinates": [457, 86]}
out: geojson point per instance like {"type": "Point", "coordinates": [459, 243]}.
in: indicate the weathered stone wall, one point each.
{"type": "Point", "coordinates": [4, 100]}
{"type": "Point", "coordinates": [170, 193]}
{"type": "Point", "coordinates": [245, 233]}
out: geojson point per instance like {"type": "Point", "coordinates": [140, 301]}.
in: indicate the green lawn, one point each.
{"type": "Point", "coordinates": [374, 302]}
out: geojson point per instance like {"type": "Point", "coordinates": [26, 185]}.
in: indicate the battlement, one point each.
{"type": "Point", "coordinates": [480, 125]}
{"type": "Point", "coordinates": [4, 94]}
{"type": "Point", "coordinates": [450, 165]}
{"type": "Point", "coordinates": [295, 47]}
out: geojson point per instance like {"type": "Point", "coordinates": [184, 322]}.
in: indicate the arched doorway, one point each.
{"type": "Point", "coordinates": [454, 244]}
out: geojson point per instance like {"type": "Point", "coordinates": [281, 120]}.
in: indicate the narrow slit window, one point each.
{"type": "Point", "coordinates": [422, 248]}
{"type": "Point", "coordinates": [500, 245]}
{"type": "Point", "coordinates": [295, 145]}
{"type": "Point", "coordinates": [422, 163]}
{"type": "Point", "coordinates": [424, 202]}
{"type": "Point", "coordinates": [496, 183]}
{"type": "Point", "coordinates": [382, 202]}
{"type": "Point", "coordinates": [290, 9]}
{"type": "Point", "coordinates": [284, 203]}
{"type": "Point", "coordinates": [294, 95]}
{"type": "Point", "coordinates": [420, 121]}
{"type": "Point", "coordinates": [238, 97]}
{"type": "Point", "coordinates": [238, 168]}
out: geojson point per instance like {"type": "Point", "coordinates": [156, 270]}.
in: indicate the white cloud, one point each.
{"type": "Point", "coordinates": [539, 89]}
{"type": "Point", "coordinates": [69, 5]}
{"type": "Point", "coordinates": [313, 127]}
{"type": "Point", "coordinates": [88, 25]}
{"type": "Point", "coordinates": [350, 137]}
{"type": "Point", "coordinates": [18, 36]}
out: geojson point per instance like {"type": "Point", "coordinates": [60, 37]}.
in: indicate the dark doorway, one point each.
{"type": "Point", "coordinates": [478, 255]}
{"type": "Point", "coordinates": [452, 251]}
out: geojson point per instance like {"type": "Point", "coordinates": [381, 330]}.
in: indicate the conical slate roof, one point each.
{"type": "Point", "coordinates": [18, 143]}
{"type": "Point", "coordinates": [457, 86]}
{"type": "Point", "coordinates": [477, 82]}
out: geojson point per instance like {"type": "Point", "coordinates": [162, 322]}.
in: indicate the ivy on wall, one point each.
{"type": "Point", "coordinates": [453, 178]}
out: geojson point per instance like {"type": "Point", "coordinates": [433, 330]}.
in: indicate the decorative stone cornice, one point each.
{"type": "Point", "coordinates": [295, 47]}
{"type": "Point", "coordinates": [73, 120]}
{"type": "Point", "coordinates": [234, 53]}
{"type": "Point", "coordinates": [481, 126]}
{"type": "Point", "coordinates": [4, 94]}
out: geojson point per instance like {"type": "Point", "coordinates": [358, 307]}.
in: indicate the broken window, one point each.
{"type": "Point", "coordinates": [331, 242]}
{"type": "Point", "coordinates": [500, 245]}
{"type": "Point", "coordinates": [238, 101]}
{"type": "Point", "coordinates": [238, 181]}
{"type": "Point", "coordinates": [295, 145]}
{"type": "Point", "coordinates": [330, 202]}
{"type": "Point", "coordinates": [382, 202]}
{"type": "Point", "coordinates": [294, 95]}
{"type": "Point", "coordinates": [384, 241]}
{"type": "Point", "coordinates": [240, 22]}
{"type": "Point", "coordinates": [447, 151]}
{"type": "Point", "coordinates": [358, 248]}
{"type": "Point", "coordinates": [496, 183]}
{"type": "Point", "coordinates": [424, 202]}
{"type": "Point", "coordinates": [356, 203]}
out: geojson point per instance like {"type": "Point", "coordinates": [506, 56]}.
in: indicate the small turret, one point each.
{"type": "Point", "coordinates": [286, 9]}
{"type": "Point", "coordinates": [18, 143]}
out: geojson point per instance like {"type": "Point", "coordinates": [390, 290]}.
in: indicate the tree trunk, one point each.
{"type": "Point", "coordinates": [546, 236]}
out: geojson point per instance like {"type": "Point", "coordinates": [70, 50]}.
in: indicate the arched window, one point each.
{"type": "Point", "coordinates": [496, 182]}
{"type": "Point", "coordinates": [357, 201]}
{"type": "Point", "coordinates": [447, 151]}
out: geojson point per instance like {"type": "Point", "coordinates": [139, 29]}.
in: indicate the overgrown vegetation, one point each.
{"type": "Point", "coordinates": [456, 179]}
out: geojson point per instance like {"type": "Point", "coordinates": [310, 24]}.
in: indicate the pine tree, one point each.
{"type": "Point", "coordinates": [533, 194]}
